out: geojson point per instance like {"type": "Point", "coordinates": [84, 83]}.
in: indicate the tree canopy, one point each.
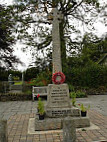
{"type": "Point", "coordinates": [7, 39]}
{"type": "Point", "coordinates": [34, 27]}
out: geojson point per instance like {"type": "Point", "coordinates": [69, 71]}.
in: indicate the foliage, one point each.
{"type": "Point", "coordinates": [16, 78]}
{"type": "Point", "coordinates": [71, 87]}
{"type": "Point", "coordinates": [74, 102]}
{"type": "Point", "coordinates": [73, 94]}
{"type": "Point", "coordinates": [26, 87]}
{"type": "Point", "coordinates": [100, 90]}
{"type": "Point", "coordinates": [78, 94]}
{"type": "Point", "coordinates": [83, 108]}
{"type": "Point", "coordinates": [40, 107]}
{"type": "Point", "coordinates": [7, 39]}
{"type": "Point", "coordinates": [42, 79]}
{"type": "Point", "coordinates": [4, 87]}
{"type": "Point", "coordinates": [29, 92]}
{"type": "Point", "coordinates": [18, 83]}
{"type": "Point", "coordinates": [33, 14]}
{"type": "Point", "coordinates": [15, 73]}
{"type": "Point", "coordinates": [92, 47]}
{"type": "Point", "coordinates": [93, 75]}
{"type": "Point", "coordinates": [31, 72]}
{"type": "Point", "coordinates": [3, 74]}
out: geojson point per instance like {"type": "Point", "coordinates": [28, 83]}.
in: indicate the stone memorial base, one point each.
{"type": "Point", "coordinates": [59, 108]}
{"type": "Point", "coordinates": [57, 123]}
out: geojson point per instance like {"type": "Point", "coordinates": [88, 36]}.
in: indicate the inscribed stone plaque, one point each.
{"type": "Point", "coordinates": [58, 95]}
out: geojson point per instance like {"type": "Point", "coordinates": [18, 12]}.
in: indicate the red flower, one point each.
{"type": "Point", "coordinates": [79, 104]}
{"type": "Point", "coordinates": [38, 96]}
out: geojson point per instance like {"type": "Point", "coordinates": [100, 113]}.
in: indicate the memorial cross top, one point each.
{"type": "Point", "coordinates": [56, 17]}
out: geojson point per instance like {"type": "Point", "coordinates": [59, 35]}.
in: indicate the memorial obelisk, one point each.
{"type": "Point", "coordinates": [58, 103]}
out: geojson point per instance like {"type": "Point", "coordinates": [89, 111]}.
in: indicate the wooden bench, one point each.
{"type": "Point", "coordinates": [42, 91]}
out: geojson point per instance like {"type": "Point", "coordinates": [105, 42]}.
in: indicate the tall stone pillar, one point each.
{"type": "Point", "coordinates": [56, 16]}
{"type": "Point", "coordinates": [58, 95]}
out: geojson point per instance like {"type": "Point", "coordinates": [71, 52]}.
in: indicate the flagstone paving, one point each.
{"type": "Point", "coordinates": [18, 114]}
{"type": "Point", "coordinates": [18, 130]}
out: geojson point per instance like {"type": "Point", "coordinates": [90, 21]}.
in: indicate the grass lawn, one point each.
{"type": "Point", "coordinates": [18, 83]}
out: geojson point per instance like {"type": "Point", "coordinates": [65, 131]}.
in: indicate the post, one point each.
{"type": "Point", "coordinates": [3, 131]}
{"type": "Point", "coordinates": [10, 80]}
{"type": "Point", "coordinates": [22, 78]}
{"type": "Point", "coordinates": [69, 130]}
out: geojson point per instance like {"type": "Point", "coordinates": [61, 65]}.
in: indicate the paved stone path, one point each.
{"type": "Point", "coordinates": [97, 102]}
{"type": "Point", "coordinates": [18, 113]}
{"type": "Point", "coordinates": [18, 130]}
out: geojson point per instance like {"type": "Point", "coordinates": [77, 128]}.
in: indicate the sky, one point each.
{"type": "Point", "coordinates": [26, 56]}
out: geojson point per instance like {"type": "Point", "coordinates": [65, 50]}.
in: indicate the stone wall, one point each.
{"type": "Point", "coordinates": [15, 97]}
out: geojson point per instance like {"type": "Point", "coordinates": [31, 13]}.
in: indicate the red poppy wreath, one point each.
{"type": "Point", "coordinates": [58, 78]}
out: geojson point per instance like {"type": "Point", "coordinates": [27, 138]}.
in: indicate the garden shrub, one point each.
{"type": "Point", "coordinates": [78, 94]}
{"type": "Point", "coordinates": [72, 94]}
{"type": "Point", "coordinates": [91, 76]}
{"type": "Point", "coordinates": [71, 87]}
{"type": "Point", "coordinates": [4, 86]}
{"type": "Point", "coordinates": [42, 79]}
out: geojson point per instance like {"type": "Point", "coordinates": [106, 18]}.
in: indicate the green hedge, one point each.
{"type": "Point", "coordinates": [90, 76]}
{"type": "Point", "coordinates": [4, 86]}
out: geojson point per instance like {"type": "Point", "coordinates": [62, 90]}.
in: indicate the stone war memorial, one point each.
{"type": "Point", "coordinates": [58, 107]}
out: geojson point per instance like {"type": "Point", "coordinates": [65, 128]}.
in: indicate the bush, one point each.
{"type": "Point", "coordinates": [72, 94]}
{"type": "Point", "coordinates": [91, 76]}
{"type": "Point", "coordinates": [71, 88]}
{"type": "Point", "coordinates": [4, 86]}
{"type": "Point", "coordinates": [78, 94]}
{"type": "Point", "coordinates": [42, 79]}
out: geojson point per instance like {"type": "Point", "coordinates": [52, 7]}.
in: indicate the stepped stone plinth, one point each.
{"type": "Point", "coordinates": [57, 123]}
{"type": "Point", "coordinates": [58, 108]}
